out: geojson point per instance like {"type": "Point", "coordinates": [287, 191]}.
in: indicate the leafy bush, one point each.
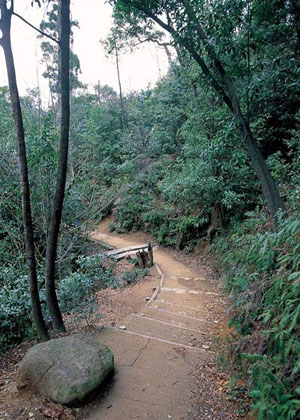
{"type": "Point", "coordinates": [174, 230]}
{"type": "Point", "coordinates": [94, 273]}
{"type": "Point", "coordinates": [111, 227]}
{"type": "Point", "coordinates": [76, 292]}
{"type": "Point", "coordinates": [15, 309]}
{"type": "Point", "coordinates": [135, 274]}
{"type": "Point", "coordinates": [263, 275]}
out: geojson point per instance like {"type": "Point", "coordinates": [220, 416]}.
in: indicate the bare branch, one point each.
{"type": "Point", "coordinates": [36, 29]}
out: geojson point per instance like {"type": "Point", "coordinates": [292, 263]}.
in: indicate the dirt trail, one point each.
{"type": "Point", "coordinates": [158, 349]}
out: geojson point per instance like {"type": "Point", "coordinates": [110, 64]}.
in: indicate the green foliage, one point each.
{"type": "Point", "coordinates": [15, 310]}
{"type": "Point", "coordinates": [111, 227]}
{"type": "Point", "coordinates": [76, 293]}
{"type": "Point", "coordinates": [135, 275]}
{"type": "Point", "coordinates": [78, 289]}
{"type": "Point", "coordinates": [262, 274]}
{"type": "Point", "coordinates": [182, 158]}
{"type": "Point", "coordinates": [172, 230]}
{"type": "Point", "coordinates": [75, 290]}
{"type": "Point", "coordinates": [50, 51]}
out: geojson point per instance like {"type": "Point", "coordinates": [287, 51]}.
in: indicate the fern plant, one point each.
{"type": "Point", "coordinates": [263, 276]}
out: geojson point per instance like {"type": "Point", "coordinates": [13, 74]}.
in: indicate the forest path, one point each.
{"type": "Point", "coordinates": [156, 356]}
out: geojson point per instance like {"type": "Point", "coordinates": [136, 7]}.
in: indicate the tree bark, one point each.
{"type": "Point", "coordinates": [5, 26]}
{"type": "Point", "coordinates": [57, 209]}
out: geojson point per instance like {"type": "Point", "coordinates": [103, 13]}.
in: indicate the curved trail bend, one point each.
{"type": "Point", "coordinates": [157, 354]}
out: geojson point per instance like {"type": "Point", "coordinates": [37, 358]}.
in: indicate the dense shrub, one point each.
{"type": "Point", "coordinates": [262, 271]}
{"type": "Point", "coordinates": [174, 230]}
{"type": "Point", "coordinates": [135, 275]}
{"type": "Point", "coordinates": [75, 292]}
{"type": "Point", "coordinates": [94, 273]}
{"type": "Point", "coordinates": [15, 309]}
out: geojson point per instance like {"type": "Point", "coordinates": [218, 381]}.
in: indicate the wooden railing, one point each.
{"type": "Point", "coordinates": [143, 253]}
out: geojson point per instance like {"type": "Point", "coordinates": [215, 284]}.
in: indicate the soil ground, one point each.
{"type": "Point", "coordinates": [164, 349]}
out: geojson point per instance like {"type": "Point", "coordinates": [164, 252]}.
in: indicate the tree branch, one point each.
{"type": "Point", "coordinates": [155, 41]}
{"type": "Point", "coordinates": [36, 29]}
{"type": "Point", "coordinates": [231, 96]}
{"type": "Point", "coordinates": [187, 46]}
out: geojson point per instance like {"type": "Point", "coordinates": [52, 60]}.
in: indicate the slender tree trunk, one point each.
{"type": "Point", "coordinates": [169, 55]}
{"type": "Point", "coordinates": [269, 188]}
{"type": "Point", "coordinates": [123, 117]}
{"type": "Point", "coordinates": [5, 26]}
{"type": "Point", "coordinates": [56, 216]}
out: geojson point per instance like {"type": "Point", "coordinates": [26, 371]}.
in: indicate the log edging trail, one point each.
{"type": "Point", "coordinates": [158, 289]}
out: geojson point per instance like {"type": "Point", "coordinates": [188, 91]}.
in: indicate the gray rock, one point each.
{"type": "Point", "coordinates": [66, 369]}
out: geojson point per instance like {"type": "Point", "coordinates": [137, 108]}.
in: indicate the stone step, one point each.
{"type": "Point", "coordinates": [202, 303]}
{"type": "Point", "coordinates": [198, 311]}
{"type": "Point", "coordinates": [168, 322]}
{"type": "Point", "coordinates": [159, 330]}
{"type": "Point", "coordinates": [186, 283]}
{"type": "Point", "coordinates": [206, 297]}
{"type": "Point", "coordinates": [179, 316]}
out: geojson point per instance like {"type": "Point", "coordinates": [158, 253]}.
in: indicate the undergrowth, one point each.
{"type": "Point", "coordinates": [135, 275]}
{"type": "Point", "coordinates": [78, 289]}
{"type": "Point", "coordinates": [261, 270]}
{"type": "Point", "coordinates": [76, 293]}
{"type": "Point", "coordinates": [15, 308]}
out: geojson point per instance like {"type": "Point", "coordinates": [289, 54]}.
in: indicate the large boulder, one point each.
{"type": "Point", "coordinates": [66, 369]}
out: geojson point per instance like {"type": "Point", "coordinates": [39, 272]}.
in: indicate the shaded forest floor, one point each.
{"type": "Point", "coordinates": [209, 395]}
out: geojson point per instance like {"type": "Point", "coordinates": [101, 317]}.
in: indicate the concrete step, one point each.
{"type": "Point", "coordinates": [181, 318]}
{"type": "Point", "coordinates": [136, 350]}
{"type": "Point", "coordinates": [198, 311]}
{"type": "Point", "coordinates": [202, 303]}
{"type": "Point", "coordinates": [187, 283]}
{"type": "Point", "coordinates": [205, 314]}
{"type": "Point", "coordinates": [162, 330]}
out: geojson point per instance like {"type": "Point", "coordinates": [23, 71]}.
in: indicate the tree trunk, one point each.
{"type": "Point", "coordinates": [269, 188]}
{"type": "Point", "coordinates": [5, 26]}
{"type": "Point", "coordinates": [169, 55]}
{"type": "Point", "coordinates": [123, 116]}
{"type": "Point", "coordinates": [56, 216]}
